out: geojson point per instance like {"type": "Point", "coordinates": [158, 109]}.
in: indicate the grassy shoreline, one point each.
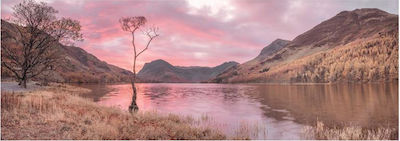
{"type": "Point", "coordinates": [349, 132]}
{"type": "Point", "coordinates": [60, 112]}
{"type": "Point", "coordinates": [57, 112]}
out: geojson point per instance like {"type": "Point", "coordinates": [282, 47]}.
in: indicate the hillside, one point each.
{"type": "Point", "coordinates": [75, 64]}
{"type": "Point", "coordinates": [162, 71]}
{"type": "Point", "coordinates": [353, 46]}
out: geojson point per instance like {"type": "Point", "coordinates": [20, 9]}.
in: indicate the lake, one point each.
{"type": "Point", "coordinates": [282, 110]}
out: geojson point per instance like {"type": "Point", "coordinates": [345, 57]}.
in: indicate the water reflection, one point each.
{"type": "Point", "coordinates": [366, 105]}
{"type": "Point", "coordinates": [283, 109]}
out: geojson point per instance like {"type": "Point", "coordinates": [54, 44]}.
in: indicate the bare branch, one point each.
{"type": "Point", "coordinates": [151, 33]}
{"type": "Point", "coordinates": [40, 33]}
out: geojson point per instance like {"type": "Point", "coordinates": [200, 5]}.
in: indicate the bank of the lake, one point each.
{"type": "Point", "coordinates": [283, 111]}
{"type": "Point", "coordinates": [60, 112]}
{"type": "Point", "coordinates": [57, 112]}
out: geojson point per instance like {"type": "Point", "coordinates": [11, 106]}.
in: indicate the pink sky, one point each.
{"type": "Point", "coordinates": [197, 32]}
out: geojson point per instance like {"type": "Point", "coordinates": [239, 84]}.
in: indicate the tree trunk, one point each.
{"type": "Point", "coordinates": [24, 83]}
{"type": "Point", "coordinates": [133, 107]}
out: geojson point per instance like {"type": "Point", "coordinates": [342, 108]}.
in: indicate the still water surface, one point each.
{"type": "Point", "coordinates": [283, 110]}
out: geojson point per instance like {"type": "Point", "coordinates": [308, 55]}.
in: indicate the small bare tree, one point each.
{"type": "Point", "coordinates": [132, 24]}
{"type": "Point", "coordinates": [38, 33]}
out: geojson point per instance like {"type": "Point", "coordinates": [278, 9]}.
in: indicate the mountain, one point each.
{"type": "Point", "coordinates": [162, 71]}
{"type": "Point", "coordinates": [276, 45]}
{"type": "Point", "coordinates": [265, 53]}
{"type": "Point", "coordinates": [353, 46]}
{"type": "Point", "coordinates": [81, 66]}
{"type": "Point", "coordinates": [75, 65]}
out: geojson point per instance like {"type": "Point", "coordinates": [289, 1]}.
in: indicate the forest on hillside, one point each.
{"type": "Point", "coordinates": [364, 60]}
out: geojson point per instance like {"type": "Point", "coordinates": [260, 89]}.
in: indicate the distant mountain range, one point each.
{"type": "Point", "coordinates": [162, 71]}
{"type": "Point", "coordinates": [76, 65]}
{"type": "Point", "coordinates": [353, 46]}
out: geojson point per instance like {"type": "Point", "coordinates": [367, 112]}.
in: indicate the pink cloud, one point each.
{"type": "Point", "coordinates": [197, 35]}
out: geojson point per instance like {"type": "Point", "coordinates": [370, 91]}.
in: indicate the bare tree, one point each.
{"type": "Point", "coordinates": [132, 24]}
{"type": "Point", "coordinates": [33, 47]}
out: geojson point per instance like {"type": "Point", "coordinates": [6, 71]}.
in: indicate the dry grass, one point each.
{"type": "Point", "coordinates": [245, 130]}
{"type": "Point", "coordinates": [250, 130]}
{"type": "Point", "coordinates": [322, 132]}
{"type": "Point", "coordinates": [58, 112]}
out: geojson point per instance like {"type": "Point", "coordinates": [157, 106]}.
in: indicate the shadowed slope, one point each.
{"type": "Point", "coordinates": [162, 71]}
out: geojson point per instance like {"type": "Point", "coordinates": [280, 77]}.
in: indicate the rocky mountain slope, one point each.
{"type": "Point", "coordinates": [275, 46]}
{"type": "Point", "coordinates": [356, 46]}
{"type": "Point", "coordinates": [162, 71]}
{"type": "Point", "coordinates": [75, 65]}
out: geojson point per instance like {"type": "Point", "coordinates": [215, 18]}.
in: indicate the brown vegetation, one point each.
{"type": "Point", "coordinates": [362, 61]}
{"type": "Point", "coordinates": [58, 113]}
{"type": "Point", "coordinates": [366, 60]}
{"type": "Point", "coordinates": [32, 49]}
{"type": "Point", "coordinates": [322, 132]}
